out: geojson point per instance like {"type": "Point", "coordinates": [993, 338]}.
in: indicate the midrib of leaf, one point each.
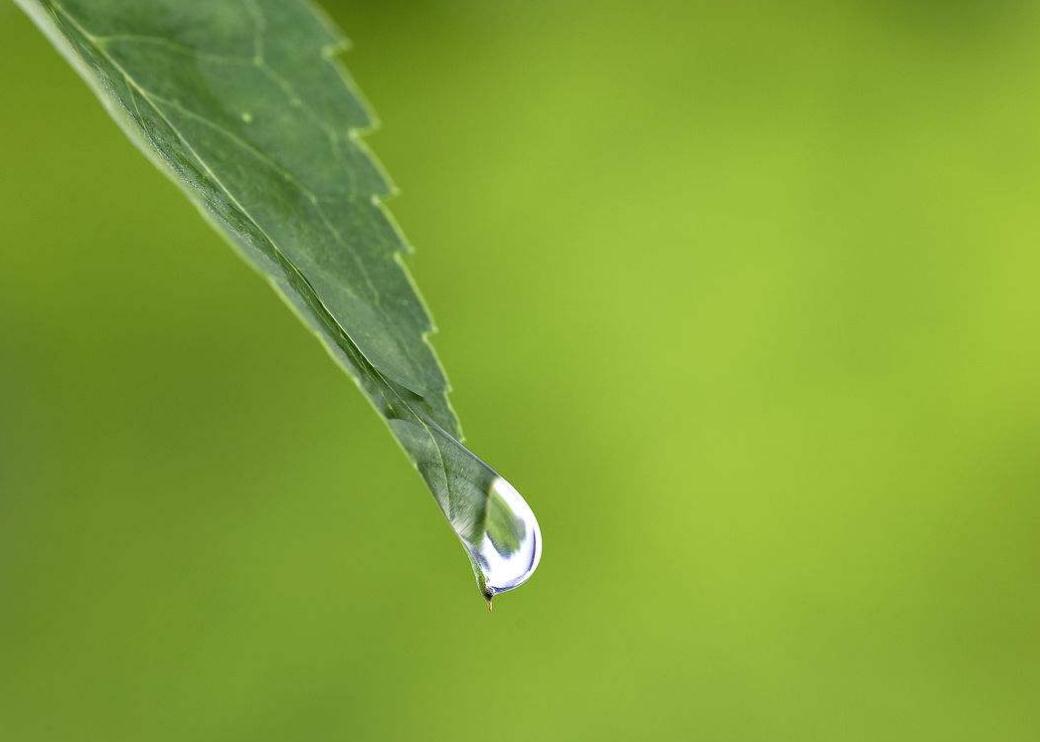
{"type": "Point", "coordinates": [392, 398]}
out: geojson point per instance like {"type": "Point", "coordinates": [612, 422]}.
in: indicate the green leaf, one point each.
{"type": "Point", "coordinates": [243, 105]}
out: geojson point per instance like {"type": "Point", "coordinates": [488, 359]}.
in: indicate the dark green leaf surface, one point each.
{"type": "Point", "coordinates": [242, 103]}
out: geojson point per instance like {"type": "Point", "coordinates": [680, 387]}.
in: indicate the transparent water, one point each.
{"type": "Point", "coordinates": [510, 547]}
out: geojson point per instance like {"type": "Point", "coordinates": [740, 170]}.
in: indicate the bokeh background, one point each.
{"type": "Point", "coordinates": [743, 297]}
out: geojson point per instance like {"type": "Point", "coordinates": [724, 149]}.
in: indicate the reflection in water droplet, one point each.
{"type": "Point", "coordinates": [509, 545]}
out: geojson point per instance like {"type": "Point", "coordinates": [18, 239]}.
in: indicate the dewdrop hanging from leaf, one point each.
{"type": "Point", "coordinates": [244, 106]}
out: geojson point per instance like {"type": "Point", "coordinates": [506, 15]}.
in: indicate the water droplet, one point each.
{"type": "Point", "coordinates": [506, 552]}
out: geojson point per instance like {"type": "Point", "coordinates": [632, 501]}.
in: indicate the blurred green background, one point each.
{"type": "Point", "coordinates": [742, 296]}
